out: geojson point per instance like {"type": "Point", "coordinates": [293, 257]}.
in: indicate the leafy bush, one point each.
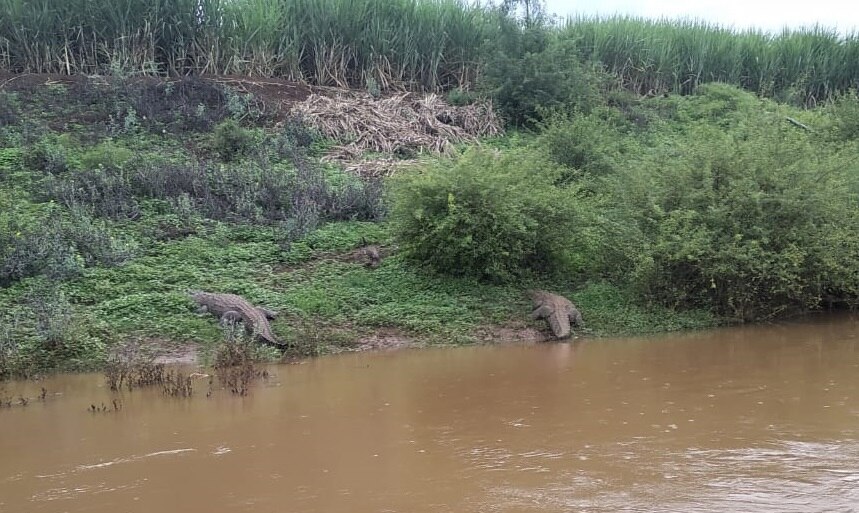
{"type": "Point", "coordinates": [485, 215]}
{"type": "Point", "coordinates": [52, 154]}
{"type": "Point", "coordinates": [106, 155]}
{"type": "Point", "coordinates": [257, 191]}
{"type": "Point", "coordinates": [294, 133]}
{"type": "Point", "coordinates": [531, 72]}
{"type": "Point", "coordinates": [59, 247]}
{"type": "Point", "coordinates": [460, 97]}
{"type": "Point", "coordinates": [231, 141]}
{"type": "Point", "coordinates": [845, 117]}
{"type": "Point", "coordinates": [591, 143]}
{"type": "Point", "coordinates": [185, 105]}
{"type": "Point", "coordinates": [750, 222]}
{"type": "Point", "coordinates": [9, 108]}
{"type": "Point", "coordinates": [54, 335]}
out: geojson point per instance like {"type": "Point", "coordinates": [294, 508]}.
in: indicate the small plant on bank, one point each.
{"type": "Point", "coordinates": [236, 360]}
{"type": "Point", "coordinates": [231, 141]}
{"type": "Point", "coordinates": [52, 154]}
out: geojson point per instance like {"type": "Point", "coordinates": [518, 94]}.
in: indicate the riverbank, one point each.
{"type": "Point", "coordinates": [116, 209]}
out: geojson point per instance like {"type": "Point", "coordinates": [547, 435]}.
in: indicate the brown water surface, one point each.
{"type": "Point", "coordinates": [748, 419]}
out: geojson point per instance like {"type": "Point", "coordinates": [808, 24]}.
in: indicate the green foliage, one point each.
{"type": "Point", "coordinates": [9, 158]}
{"type": "Point", "coordinates": [52, 154]}
{"type": "Point", "coordinates": [105, 155]}
{"type": "Point", "coordinates": [460, 97]}
{"type": "Point", "coordinates": [529, 72]}
{"type": "Point", "coordinates": [591, 143]}
{"type": "Point", "coordinates": [747, 218]}
{"type": "Point", "coordinates": [43, 331]}
{"type": "Point", "coordinates": [231, 141]}
{"type": "Point", "coordinates": [654, 56]}
{"type": "Point", "coordinates": [844, 112]}
{"type": "Point", "coordinates": [484, 214]}
{"type": "Point", "coordinates": [717, 104]}
{"type": "Point", "coordinates": [9, 108]}
{"type": "Point", "coordinates": [618, 311]}
{"type": "Point", "coordinates": [331, 42]}
{"type": "Point", "coordinates": [58, 247]}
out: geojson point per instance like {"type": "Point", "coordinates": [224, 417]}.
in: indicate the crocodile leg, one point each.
{"type": "Point", "coordinates": [231, 317]}
{"type": "Point", "coordinates": [576, 318]}
{"type": "Point", "coordinates": [269, 314]}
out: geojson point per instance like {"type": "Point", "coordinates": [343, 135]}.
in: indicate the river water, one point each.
{"type": "Point", "coordinates": [751, 419]}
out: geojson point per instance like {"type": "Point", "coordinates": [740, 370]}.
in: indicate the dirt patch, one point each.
{"type": "Point", "coordinates": [160, 350]}
{"type": "Point", "coordinates": [278, 93]}
{"type": "Point", "coordinates": [24, 81]}
{"type": "Point", "coordinates": [186, 354]}
{"type": "Point", "coordinates": [386, 339]}
{"type": "Point", "coordinates": [508, 334]}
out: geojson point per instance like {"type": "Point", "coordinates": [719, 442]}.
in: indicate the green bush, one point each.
{"type": "Point", "coordinates": [845, 117]}
{"type": "Point", "coordinates": [231, 141]}
{"type": "Point", "coordinates": [530, 72]}
{"type": "Point", "coordinates": [750, 222]}
{"type": "Point", "coordinates": [52, 334]}
{"type": "Point", "coordinates": [460, 97]}
{"type": "Point", "coordinates": [591, 143]}
{"type": "Point", "coordinates": [52, 154]}
{"type": "Point", "coordinates": [485, 215]}
{"type": "Point", "coordinates": [58, 247]}
{"type": "Point", "coordinates": [9, 108]}
{"type": "Point", "coordinates": [106, 155]}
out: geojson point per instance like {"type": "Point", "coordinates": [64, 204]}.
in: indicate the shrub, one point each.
{"type": "Point", "coordinates": [294, 133]}
{"type": "Point", "coordinates": [51, 154]}
{"type": "Point", "coordinates": [483, 214]}
{"type": "Point", "coordinates": [231, 141]}
{"type": "Point", "coordinates": [104, 192]}
{"type": "Point", "coordinates": [185, 105]}
{"type": "Point", "coordinates": [460, 97]}
{"type": "Point", "coordinates": [9, 108]}
{"type": "Point", "coordinates": [59, 247]}
{"type": "Point", "coordinates": [845, 117]}
{"type": "Point", "coordinates": [530, 72]}
{"type": "Point", "coordinates": [591, 143]}
{"type": "Point", "coordinates": [60, 338]}
{"type": "Point", "coordinates": [749, 222]}
{"type": "Point", "coordinates": [106, 155]}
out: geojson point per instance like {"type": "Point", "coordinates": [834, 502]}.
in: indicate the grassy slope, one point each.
{"type": "Point", "coordinates": [327, 299]}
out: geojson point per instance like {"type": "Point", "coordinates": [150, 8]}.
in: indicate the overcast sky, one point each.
{"type": "Point", "coordinates": [770, 15]}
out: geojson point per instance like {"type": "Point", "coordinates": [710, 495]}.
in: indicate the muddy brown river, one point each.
{"type": "Point", "coordinates": [749, 419]}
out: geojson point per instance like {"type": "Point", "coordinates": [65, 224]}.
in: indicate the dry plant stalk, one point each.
{"type": "Point", "coordinates": [404, 124]}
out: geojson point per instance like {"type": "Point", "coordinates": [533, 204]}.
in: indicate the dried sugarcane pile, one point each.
{"type": "Point", "coordinates": [404, 125]}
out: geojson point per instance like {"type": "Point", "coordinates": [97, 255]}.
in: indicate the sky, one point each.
{"type": "Point", "coordinates": [768, 15]}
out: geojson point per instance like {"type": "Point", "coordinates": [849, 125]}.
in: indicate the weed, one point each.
{"type": "Point", "coordinates": [231, 141]}
{"type": "Point", "coordinates": [177, 384]}
{"type": "Point", "coordinates": [130, 364]}
{"type": "Point", "coordinates": [235, 360]}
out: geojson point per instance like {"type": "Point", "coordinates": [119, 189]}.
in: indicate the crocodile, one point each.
{"type": "Point", "coordinates": [559, 311]}
{"type": "Point", "coordinates": [230, 307]}
{"type": "Point", "coordinates": [372, 256]}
